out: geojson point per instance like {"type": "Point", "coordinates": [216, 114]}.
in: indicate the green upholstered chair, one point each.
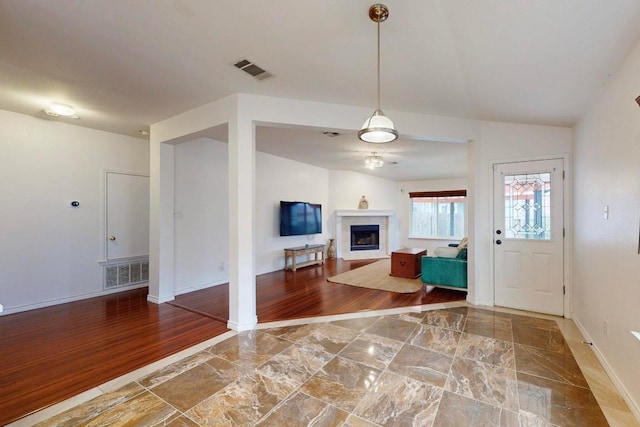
{"type": "Point", "coordinates": [445, 272]}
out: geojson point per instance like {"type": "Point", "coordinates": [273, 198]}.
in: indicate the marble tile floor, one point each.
{"type": "Point", "coordinates": [444, 365]}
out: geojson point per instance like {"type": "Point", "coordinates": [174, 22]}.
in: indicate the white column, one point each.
{"type": "Point", "coordinates": [161, 236]}
{"type": "Point", "coordinates": [242, 275]}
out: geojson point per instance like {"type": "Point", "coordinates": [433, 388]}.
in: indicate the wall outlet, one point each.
{"type": "Point", "coordinates": [222, 267]}
{"type": "Point", "coordinates": [605, 327]}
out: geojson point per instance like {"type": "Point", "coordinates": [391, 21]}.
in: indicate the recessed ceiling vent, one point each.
{"type": "Point", "coordinates": [331, 134]}
{"type": "Point", "coordinates": [252, 69]}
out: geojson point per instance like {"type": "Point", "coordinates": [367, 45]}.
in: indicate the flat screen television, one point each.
{"type": "Point", "coordinates": [299, 218]}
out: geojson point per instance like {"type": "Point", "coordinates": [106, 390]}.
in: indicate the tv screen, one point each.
{"type": "Point", "coordinates": [298, 218]}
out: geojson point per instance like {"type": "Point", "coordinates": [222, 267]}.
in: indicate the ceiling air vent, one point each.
{"type": "Point", "coordinates": [252, 69]}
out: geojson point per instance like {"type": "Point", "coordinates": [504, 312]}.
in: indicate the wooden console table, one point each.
{"type": "Point", "coordinates": [293, 253]}
{"type": "Point", "coordinates": [405, 262]}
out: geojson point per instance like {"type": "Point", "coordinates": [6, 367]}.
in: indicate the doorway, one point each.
{"type": "Point", "coordinates": [528, 235]}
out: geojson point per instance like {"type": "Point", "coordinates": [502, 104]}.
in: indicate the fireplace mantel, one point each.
{"type": "Point", "coordinates": [347, 217]}
{"type": "Point", "coordinates": [363, 212]}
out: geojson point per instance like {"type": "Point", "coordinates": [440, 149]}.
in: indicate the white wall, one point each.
{"type": "Point", "coordinates": [201, 224]}
{"type": "Point", "coordinates": [404, 210]}
{"type": "Point", "coordinates": [346, 189]}
{"type": "Point", "coordinates": [607, 264]}
{"type": "Point", "coordinates": [201, 215]}
{"type": "Point", "coordinates": [503, 142]}
{"type": "Point", "coordinates": [282, 179]}
{"type": "Point", "coordinates": [49, 250]}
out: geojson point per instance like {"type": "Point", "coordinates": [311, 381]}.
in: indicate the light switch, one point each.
{"type": "Point", "coordinates": [606, 211]}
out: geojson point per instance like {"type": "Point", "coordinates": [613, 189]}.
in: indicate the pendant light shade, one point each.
{"type": "Point", "coordinates": [378, 128]}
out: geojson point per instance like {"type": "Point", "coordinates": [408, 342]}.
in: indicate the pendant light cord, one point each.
{"type": "Point", "coordinates": [379, 13]}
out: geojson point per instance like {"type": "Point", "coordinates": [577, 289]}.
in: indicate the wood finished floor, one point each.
{"type": "Point", "coordinates": [284, 295]}
{"type": "Point", "coordinates": [51, 354]}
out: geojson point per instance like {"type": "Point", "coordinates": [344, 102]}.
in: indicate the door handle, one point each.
{"type": "Point", "coordinates": [498, 242]}
{"type": "Point", "coordinates": [112, 238]}
{"type": "Point", "coordinates": [498, 231]}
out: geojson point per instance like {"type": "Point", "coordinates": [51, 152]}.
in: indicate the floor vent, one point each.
{"type": "Point", "coordinates": [129, 273]}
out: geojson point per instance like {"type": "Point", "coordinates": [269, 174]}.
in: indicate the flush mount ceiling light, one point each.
{"type": "Point", "coordinates": [57, 109]}
{"type": "Point", "coordinates": [373, 161]}
{"type": "Point", "coordinates": [378, 128]}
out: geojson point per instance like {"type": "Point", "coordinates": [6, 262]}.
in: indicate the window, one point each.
{"type": "Point", "coordinates": [438, 214]}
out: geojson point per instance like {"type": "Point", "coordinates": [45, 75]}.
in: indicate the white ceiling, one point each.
{"type": "Point", "coordinates": [125, 64]}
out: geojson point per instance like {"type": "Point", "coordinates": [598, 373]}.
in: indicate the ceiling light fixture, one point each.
{"type": "Point", "coordinates": [373, 161]}
{"type": "Point", "coordinates": [378, 128]}
{"type": "Point", "coordinates": [57, 109]}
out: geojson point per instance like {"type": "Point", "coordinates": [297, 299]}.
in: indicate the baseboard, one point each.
{"type": "Point", "coordinates": [478, 301]}
{"type": "Point", "coordinates": [200, 287]}
{"type": "Point", "coordinates": [633, 405]}
{"type": "Point", "coordinates": [51, 303]}
{"type": "Point", "coordinates": [246, 326]}
{"type": "Point", "coordinates": [159, 300]}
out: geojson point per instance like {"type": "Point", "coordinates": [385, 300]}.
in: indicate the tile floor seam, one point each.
{"type": "Point", "coordinates": [515, 367]}
{"type": "Point", "coordinates": [180, 413]}
{"type": "Point", "coordinates": [299, 387]}
{"type": "Point", "coordinates": [518, 411]}
{"type": "Point", "coordinates": [274, 409]}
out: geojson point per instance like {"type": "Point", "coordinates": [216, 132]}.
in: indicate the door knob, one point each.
{"type": "Point", "coordinates": [498, 242]}
{"type": "Point", "coordinates": [112, 238]}
{"type": "Point", "coordinates": [498, 231]}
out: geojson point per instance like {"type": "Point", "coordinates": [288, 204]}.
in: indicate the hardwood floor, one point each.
{"type": "Point", "coordinates": [283, 295]}
{"type": "Point", "coordinates": [51, 354]}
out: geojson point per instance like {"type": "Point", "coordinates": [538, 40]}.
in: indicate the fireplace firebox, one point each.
{"type": "Point", "coordinates": [365, 237]}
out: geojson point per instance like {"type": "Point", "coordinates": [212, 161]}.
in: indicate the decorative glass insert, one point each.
{"type": "Point", "coordinates": [527, 206]}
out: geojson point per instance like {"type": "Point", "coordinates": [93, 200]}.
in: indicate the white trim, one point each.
{"type": "Point", "coordinates": [201, 286]}
{"type": "Point", "coordinates": [58, 301]}
{"type": "Point", "coordinates": [364, 212]}
{"type": "Point", "coordinates": [129, 260]}
{"type": "Point", "coordinates": [619, 385]}
{"type": "Point", "coordinates": [105, 200]}
{"type": "Point", "coordinates": [474, 301]}
{"type": "Point", "coordinates": [568, 224]}
{"type": "Point", "coordinates": [239, 327]}
{"type": "Point", "coordinates": [157, 300]}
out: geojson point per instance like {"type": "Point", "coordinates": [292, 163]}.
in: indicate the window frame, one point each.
{"type": "Point", "coordinates": [437, 194]}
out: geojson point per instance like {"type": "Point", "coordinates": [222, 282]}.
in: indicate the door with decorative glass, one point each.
{"type": "Point", "coordinates": [529, 236]}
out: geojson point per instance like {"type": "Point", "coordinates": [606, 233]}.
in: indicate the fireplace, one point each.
{"type": "Point", "coordinates": [365, 237]}
{"type": "Point", "coordinates": [387, 236]}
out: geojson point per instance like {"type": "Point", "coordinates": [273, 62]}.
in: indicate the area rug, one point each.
{"type": "Point", "coordinates": [376, 276]}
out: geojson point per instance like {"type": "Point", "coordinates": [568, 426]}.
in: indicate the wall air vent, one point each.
{"type": "Point", "coordinates": [252, 69]}
{"type": "Point", "coordinates": [125, 272]}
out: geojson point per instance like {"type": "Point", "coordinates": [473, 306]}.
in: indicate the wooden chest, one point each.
{"type": "Point", "coordinates": [406, 262]}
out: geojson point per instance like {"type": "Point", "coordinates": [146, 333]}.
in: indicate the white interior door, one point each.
{"type": "Point", "coordinates": [529, 236]}
{"type": "Point", "coordinates": [127, 215]}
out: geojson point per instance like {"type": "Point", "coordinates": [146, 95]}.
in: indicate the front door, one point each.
{"type": "Point", "coordinates": [529, 236]}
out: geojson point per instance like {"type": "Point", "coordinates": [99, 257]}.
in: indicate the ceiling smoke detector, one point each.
{"type": "Point", "coordinates": [252, 69]}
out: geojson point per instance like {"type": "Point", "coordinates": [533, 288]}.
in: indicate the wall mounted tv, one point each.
{"type": "Point", "coordinates": [298, 218]}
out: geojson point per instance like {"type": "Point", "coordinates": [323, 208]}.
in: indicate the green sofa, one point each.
{"type": "Point", "coordinates": [445, 272]}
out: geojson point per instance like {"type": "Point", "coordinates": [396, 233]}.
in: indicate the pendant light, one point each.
{"type": "Point", "coordinates": [374, 161]}
{"type": "Point", "coordinates": [378, 128]}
